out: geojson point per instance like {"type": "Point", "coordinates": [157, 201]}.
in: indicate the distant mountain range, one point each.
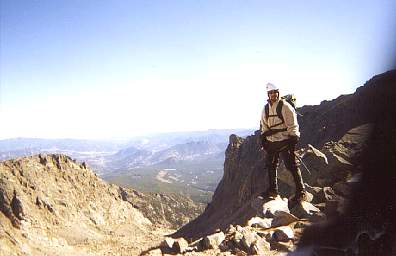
{"type": "Point", "coordinates": [184, 158]}
{"type": "Point", "coordinates": [136, 152]}
{"type": "Point", "coordinates": [188, 152]}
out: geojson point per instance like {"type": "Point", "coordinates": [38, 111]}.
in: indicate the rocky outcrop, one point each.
{"type": "Point", "coordinates": [50, 203]}
{"type": "Point", "coordinates": [170, 211]}
{"type": "Point", "coordinates": [330, 120]}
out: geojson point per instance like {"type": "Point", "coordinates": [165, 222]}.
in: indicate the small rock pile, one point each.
{"type": "Point", "coordinates": [276, 228]}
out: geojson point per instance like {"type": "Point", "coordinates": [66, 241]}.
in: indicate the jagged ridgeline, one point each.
{"type": "Point", "coordinates": [51, 203]}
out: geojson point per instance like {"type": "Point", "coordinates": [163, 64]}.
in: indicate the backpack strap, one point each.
{"type": "Point", "coordinates": [266, 109]}
{"type": "Point", "coordinates": [279, 115]}
{"type": "Point", "coordinates": [279, 111]}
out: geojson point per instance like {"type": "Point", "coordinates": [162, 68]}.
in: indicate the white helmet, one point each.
{"type": "Point", "coordinates": [271, 87]}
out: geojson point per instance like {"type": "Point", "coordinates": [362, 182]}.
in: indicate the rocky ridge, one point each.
{"type": "Point", "coordinates": [53, 205]}
{"type": "Point", "coordinates": [330, 120]}
{"type": "Point", "coordinates": [335, 137]}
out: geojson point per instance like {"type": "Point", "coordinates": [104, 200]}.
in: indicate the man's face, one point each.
{"type": "Point", "coordinates": [273, 95]}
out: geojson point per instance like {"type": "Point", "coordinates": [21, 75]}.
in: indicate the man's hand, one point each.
{"type": "Point", "coordinates": [294, 140]}
{"type": "Point", "coordinates": [264, 142]}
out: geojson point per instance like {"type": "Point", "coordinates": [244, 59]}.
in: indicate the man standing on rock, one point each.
{"type": "Point", "coordinates": [279, 135]}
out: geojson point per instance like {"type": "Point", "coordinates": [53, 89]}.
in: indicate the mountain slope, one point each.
{"type": "Point", "coordinates": [53, 204]}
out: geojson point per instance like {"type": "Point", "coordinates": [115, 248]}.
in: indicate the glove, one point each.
{"type": "Point", "coordinates": [264, 142]}
{"type": "Point", "coordinates": [294, 140]}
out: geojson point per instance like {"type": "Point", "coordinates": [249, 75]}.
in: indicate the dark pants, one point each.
{"type": "Point", "coordinates": [285, 150]}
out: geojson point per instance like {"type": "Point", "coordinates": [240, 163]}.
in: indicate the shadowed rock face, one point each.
{"type": "Point", "coordinates": [243, 177]}
{"type": "Point", "coordinates": [330, 120]}
{"type": "Point", "coordinates": [244, 172]}
{"type": "Point", "coordinates": [369, 223]}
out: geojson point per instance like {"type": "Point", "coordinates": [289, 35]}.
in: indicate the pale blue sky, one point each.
{"type": "Point", "coordinates": [107, 69]}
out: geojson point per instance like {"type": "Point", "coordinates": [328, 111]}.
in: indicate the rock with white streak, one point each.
{"type": "Point", "coordinates": [271, 208]}
{"type": "Point", "coordinates": [168, 243]}
{"type": "Point", "coordinates": [304, 210]}
{"type": "Point", "coordinates": [213, 241]}
{"type": "Point", "coordinates": [180, 245]}
{"type": "Point", "coordinates": [283, 219]}
{"type": "Point", "coordinates": [283, 234]}
{"type": "Point", "coordinates": [258, 222]}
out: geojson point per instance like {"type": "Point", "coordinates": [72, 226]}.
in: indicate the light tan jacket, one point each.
{"type": "Point", "coordinates": [290, 116]}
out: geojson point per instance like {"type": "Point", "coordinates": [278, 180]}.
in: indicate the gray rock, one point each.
{"type": "Point", "coordinates": [180, 245]}
{"type": "Point", "coordinates": [321, 195]}
{"type": "Point", "coordinates": [168, 243]}
{"type": "Point", "coordinates": [312, 189]}
{"type": "Point", "coordinates": [304, 210]}
{"type": "Point", "coordinates": [302, 224]}
{"type": "Point", "coordinates": [237, 237]}
{"type": "Point", "coordinates": [213, 241]}
{"type": "Point", "coordinates": [239, 228]}
{"type": "Point", "coordinates": [283, 234]}
{"type": "Point", "coordinates": [283, 219]}
{"type": "Point", "coordinates": [260, 222]}
{"type": "Point", "coordinates": [328, 194]}
{"type": "Point", "coordinates": [308, 197]}
{"type": "Point", "coordinates": [43, 202]}
{"type": "Point", "coordinates": [283, 246]}
{"type": "Point", "coordinates": [155, 252]}
{"type": "Point", "coordinates": [231, 229]}
{"type": "Point", "coordinates": [320, 156]}
{"type": "Point", "coordinates": [274, 207]}
{"type": "Point", "coordinates": [316, 193]}
{"type": "Point", "coordinates": [261, 247]}
{"type": "Point", "coordinates": [249, 238]}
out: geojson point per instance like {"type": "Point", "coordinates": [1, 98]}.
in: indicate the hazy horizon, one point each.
{"type": "Point", "coordinates": [121, 69]}
{"type": "Point", "coordinates": [145, 135]}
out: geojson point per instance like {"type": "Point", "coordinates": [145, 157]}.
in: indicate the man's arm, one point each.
{"type": "Point", "coordinates": [263, 122]}
{"type": "Point", "coordinates": [263, 128]}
